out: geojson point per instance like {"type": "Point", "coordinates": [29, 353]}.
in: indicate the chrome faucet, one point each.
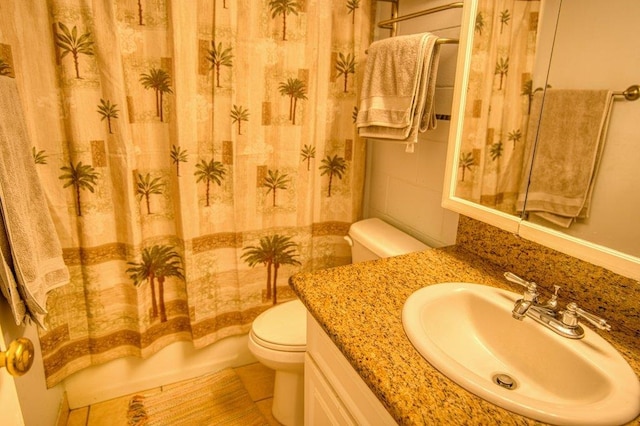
{"type": "Point", "coordinates": [531, 298]}
{"type": "Point", "coordinates": [564, 322]}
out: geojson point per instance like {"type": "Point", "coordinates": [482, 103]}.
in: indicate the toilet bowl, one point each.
{"type": "Point", "coordinates": [278, 337]}
{"type": "Point", "coordinates": [278, 340]}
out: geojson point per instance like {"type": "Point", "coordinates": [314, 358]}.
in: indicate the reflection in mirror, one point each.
{"type": "Point", "coordinates": [585, 180]}
{"type": "Point", "coordinates": [498, 103]}
{"type": "Point", "coordinates": [478, 158]}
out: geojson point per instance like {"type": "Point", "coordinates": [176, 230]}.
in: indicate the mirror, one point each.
{"type": "Point", "coordinates": [608, 58]}
{"type": "Point", "coordinates": [579, 44]}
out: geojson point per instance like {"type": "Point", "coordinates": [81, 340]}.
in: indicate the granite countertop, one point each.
{"type": "Point", "coordinates": [360, 305]}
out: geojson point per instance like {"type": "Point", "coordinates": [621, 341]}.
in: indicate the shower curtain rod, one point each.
{"type": "Point", "coordinates": [390, 23]}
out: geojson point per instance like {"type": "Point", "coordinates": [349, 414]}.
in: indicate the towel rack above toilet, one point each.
{"type": "Point", "coordinates": [390, 24]}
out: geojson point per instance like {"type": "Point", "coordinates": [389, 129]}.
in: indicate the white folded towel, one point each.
{"type": "Point", "coordinates": [8, 284]}
{"type": "Point", "coordinates": [29, 234]}
{"type": "Point", "coordinates": [397, 96]}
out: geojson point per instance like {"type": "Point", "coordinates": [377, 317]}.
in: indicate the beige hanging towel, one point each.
{"type": "Point", "coordinates": [32, 263]}
{"type": "Point", "coordinates": [397, 96]}
{"type": "Point", "coordinates": [570, 139]}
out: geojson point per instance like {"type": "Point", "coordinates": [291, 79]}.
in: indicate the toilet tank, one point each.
{"type": "Point", "coordinates": [373, 239]}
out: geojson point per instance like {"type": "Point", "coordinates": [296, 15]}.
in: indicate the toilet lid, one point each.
{"type": "Point", "coordinates": [283, 327]}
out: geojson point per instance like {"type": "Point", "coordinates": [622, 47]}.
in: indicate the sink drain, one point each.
{"type": "Point", "coordinates": [505, 381]}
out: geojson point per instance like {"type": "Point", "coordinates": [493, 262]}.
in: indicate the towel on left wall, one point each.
{"type": "Point", "coordinates": [31, 254]}
{"type": "Point", "coordinates": [398, 88]}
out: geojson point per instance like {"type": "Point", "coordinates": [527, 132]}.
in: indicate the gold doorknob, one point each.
{"type": "Point", "coordinates": [18, 358]}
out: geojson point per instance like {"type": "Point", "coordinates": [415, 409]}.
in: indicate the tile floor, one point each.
{"type": "Point", "coordinates": [256, 378]}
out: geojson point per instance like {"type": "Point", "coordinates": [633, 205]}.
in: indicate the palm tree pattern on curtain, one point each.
{"type": "Point", "coordinates": [108, 112]}
{"type": "Point", "coordinates": [179, 176]}
{"type": "Point", "coordinates": [275, 181]}
{"type": "Point", "coordinates": [295, 89]}
{"type": "Point", "coordinates": [345, 65]}
{"type": "Point", "coordinates": [219, 57]}
{"type": "Point", "coordinates": [147, 187]}
{"type": "Point", "coordinates": [308, 153]}
{"type": "Point", "coordinates": [157, 263]}
{"type": "Point", "coordinates": [178, 155]}
{"type": "Point", "coordinates": [160, 82]}
{"type": "Point", "coordinates": [333, 166]}
{"type": "Point", "coordinates": [39, 157]}
{"type": "Point", "coordinates": [273, 251]}
{"type": "Point", "coordinates": [212, 171]}
{"type": "Point", "coordinates": [81, 176]}
{"type": "Point", "coordinates": [70, 43]}
{"type": "Point", "coordinates": [284, 8]}
{"type": "Point", "coordinates": [503, 49]}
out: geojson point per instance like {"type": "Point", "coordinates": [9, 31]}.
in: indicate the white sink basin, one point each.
{"type": "Point", "coordinates": [466, 331]}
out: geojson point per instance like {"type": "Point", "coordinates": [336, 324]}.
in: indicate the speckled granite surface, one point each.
{"type": "Point", "coordinates": [360, 307]}
{"type": "Point", "coordinates": [595, 289]}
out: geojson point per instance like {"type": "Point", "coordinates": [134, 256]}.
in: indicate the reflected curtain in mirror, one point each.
{"type": "Point", "coordinates": [498, 102]}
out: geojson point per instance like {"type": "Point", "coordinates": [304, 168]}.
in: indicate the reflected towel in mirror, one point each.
{"type": "Point", "coordinates": [570, 139]}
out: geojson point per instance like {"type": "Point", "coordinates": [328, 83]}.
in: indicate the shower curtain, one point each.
{"type": "Point", "coordinates": [497, 108]}
{"type": "Point", "coordinates": [194, 155]}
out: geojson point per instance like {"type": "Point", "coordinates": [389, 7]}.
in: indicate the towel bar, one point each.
{"type": "Point", "coordinates": [438, 41]}
{"type": "Point", "coordinates": [447, 41]}
{"type": "Point", "coordinates": [390, 23]}
{"type": "Point", "coordinates": [631, 94]}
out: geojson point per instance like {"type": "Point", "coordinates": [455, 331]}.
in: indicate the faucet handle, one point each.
{"type": "Point", "coordinates": [529, 285]}
{"type": "Point", "coordinates": [570, 317]}
{"type": "Point", "coordinates": [553, 300]}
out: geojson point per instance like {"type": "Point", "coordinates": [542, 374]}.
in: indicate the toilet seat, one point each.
{"type": "Point", "coordinates": [282, 327]}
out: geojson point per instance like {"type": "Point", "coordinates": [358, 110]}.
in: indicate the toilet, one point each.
{"type": "Point", "coordinates": [278, 337]}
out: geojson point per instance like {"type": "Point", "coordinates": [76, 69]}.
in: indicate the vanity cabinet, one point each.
{"type": "Point", "coordinates": [334, 393]}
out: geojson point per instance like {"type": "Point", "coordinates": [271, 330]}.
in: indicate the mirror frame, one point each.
{"type": "Point", "coordinates": [605, 257]}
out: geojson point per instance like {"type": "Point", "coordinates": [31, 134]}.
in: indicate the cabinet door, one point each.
{"type": "Point", "coordinates": [351, 391]}
{"type": "Point", "coordinates": [321, 404]}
